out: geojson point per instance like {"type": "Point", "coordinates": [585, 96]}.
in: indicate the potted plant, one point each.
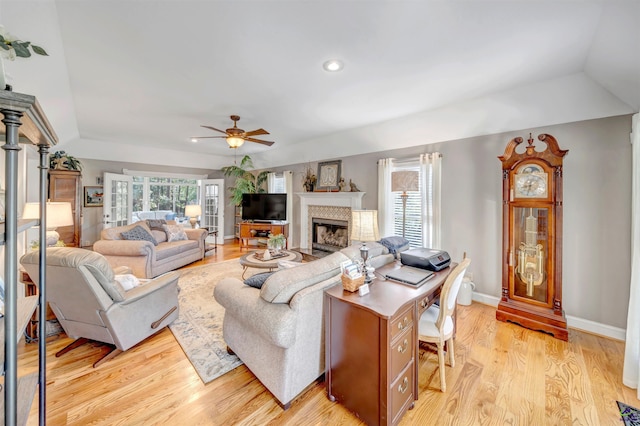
{"type": "Point", "coordinates": [246, 182]}
{"type": "Point", "coordinates": [276, 242]}
{"type": "Point", "coordinates": [309, 180]}
{"type": "Point", "coordinates": [60, 160]}
{"type": "Point", "coordinates": [12, 47]}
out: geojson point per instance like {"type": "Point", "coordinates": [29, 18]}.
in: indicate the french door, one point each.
{"type": "Point", "coordinates": [212, 201]}
{"type": "Point", "coordinates": [118, 200]}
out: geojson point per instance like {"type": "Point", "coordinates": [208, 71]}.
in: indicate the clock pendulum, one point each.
{"type": "Point", "coordinates": [530, 266]}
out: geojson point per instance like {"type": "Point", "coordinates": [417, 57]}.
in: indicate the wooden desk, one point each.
{"type": "Point", "coordinates": [372, 346]}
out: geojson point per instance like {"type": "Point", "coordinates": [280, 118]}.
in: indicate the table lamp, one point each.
{"type": "Point", "coordinates": [193, 211]}
{"type": "Point", "coordinates": [58, 214]}
{"type": "Point", "coordinates": [403, 181]}
{"type": "Point", "coordinates": [364, 227]}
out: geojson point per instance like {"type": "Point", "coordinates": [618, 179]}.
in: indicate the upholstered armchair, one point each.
{"type": "Point", "coordinates": [91, 304]}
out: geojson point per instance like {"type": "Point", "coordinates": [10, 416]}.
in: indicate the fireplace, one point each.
{"type": "Point", "coordinates": [328, 234]}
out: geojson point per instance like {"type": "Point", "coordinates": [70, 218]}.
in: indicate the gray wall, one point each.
{"type": "Point", "coordinates": [597, 209]}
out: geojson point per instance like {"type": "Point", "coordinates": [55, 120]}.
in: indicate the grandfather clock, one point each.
{"type": "Point", "coordinates": [532, 236]}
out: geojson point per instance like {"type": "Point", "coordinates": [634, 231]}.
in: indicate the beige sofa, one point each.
{"type": "Point", "coordinates": [145, 259]}
{"type": "Point", "coordinates": [278, 330]}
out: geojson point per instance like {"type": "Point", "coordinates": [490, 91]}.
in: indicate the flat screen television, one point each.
{"type": "Point", "coordinates": [264, 207]}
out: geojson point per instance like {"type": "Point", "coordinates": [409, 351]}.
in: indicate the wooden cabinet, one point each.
{"type": "Point", "coordinates": [66, 185]}
{"type": "Point", "coordinates": [252, 230]}
{"type": "Point", "coordinates": [371, 345]}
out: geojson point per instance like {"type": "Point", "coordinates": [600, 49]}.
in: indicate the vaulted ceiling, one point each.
{"type": "Point", "coordinates": [135, 80]}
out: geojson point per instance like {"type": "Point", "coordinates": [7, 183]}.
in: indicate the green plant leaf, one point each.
{"type": "Point", "coordinates": [21, 50]}
{"type": "Point", "coordinates": [4, 46]}
{"type": "Point", "coordinates": [39, 50]}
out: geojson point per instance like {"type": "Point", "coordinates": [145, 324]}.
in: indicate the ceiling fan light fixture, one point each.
{"type": "Point", "coordinates": [235, 141]}
{"type": "Point", "coordinates": [333, 65]}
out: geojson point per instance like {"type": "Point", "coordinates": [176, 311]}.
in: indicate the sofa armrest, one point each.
{"type": "Point", "coordinates": [275, 321]}
{"type": "Point", "coordinates": [124, 247]}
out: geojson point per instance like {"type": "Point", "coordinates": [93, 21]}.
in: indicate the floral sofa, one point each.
{"type": "Point", "coordinates": [146, 257]}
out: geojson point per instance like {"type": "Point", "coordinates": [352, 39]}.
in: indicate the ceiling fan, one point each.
{"type": "Point", "coordinates": [236, 137]}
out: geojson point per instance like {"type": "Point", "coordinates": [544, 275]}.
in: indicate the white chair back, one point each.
{"type": "Point", "coordinates": [449, 291]}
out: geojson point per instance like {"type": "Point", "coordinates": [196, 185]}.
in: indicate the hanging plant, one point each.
{"type": "Point", "coordinates": [60, 160]}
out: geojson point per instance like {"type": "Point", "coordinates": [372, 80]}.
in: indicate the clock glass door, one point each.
{"type": "Point", "coordinates": [531, 253]}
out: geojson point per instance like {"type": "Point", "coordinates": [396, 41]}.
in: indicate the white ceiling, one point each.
{"type": "Point", "coordinates": [134, 80]}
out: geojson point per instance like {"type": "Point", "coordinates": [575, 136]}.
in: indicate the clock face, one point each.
{"type": "Point", "coordinates": [531, 182]}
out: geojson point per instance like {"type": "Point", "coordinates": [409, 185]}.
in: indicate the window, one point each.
{"type": "Point", "coordinates": [277, 185]}
{"type": "Point", "coordinates": [413, 216]}
{"type": "Point", "coordinates": [422, 213]}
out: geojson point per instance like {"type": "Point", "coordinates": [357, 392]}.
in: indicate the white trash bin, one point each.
{"type": "Point", "coordinates": [466, 291]}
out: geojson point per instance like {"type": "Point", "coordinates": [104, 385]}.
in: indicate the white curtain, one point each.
{"type": "Point", "coordinates": [385, 198]}
{"type": "Point", "coordinates": [631, 371]}
{"type": "Point", "coordinates": [271, 182]}
{"type": "Point", "coordinates": [288, 187]}
{"type": "Point", "coordinates": [431, 172]}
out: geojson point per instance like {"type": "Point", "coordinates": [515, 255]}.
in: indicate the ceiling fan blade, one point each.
{"type": "Point", "coordinates": [213, 128]}
{"type": "Point", "coordinates": [257, 132]}
{"type": "Point", "coordinates": [267, 143]}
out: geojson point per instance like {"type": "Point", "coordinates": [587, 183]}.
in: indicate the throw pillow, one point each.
{"type": "Point", "coordinates": [175, 233]}
{"type": "Point", "coordinates": [156, 224]}
{"type": "Point", "coordinates": [139, 233]}
{"type": "Point", "coordinates": [257, 280]}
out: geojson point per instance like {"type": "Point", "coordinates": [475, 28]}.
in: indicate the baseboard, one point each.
{"type": "Point", "coordinates": [572, 322]}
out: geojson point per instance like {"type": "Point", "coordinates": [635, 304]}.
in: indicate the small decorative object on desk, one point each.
{"type": "Point", "coordinates": [352, 277]}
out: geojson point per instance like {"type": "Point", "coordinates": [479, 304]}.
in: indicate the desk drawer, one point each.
{"type": "Point", "coordinates": [425, 302]}
{"type": "Point", "coordinates": [402, 351]}
{"type": "Point", "coordinates": [402, 393]}
{"type": "Point", "coordinates": [401, 323]}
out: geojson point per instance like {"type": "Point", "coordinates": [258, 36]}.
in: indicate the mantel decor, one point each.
{"type": "Point", "coordinates": [329, 176]}
{"type": "Point", "coordinates": [532, 236]}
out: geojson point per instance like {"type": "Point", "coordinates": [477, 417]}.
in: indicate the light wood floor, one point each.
{"type": "Point", "coordinates": [504, 374]}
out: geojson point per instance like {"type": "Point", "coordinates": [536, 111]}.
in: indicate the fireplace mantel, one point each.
{"type": "Point", "coordinates": [352, 200]}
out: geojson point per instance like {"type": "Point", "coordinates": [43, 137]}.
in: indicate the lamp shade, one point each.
{"type": "Point", "coordinates": [58, 213]}
{"type": "Point", "coordinates": [405, 180]}
{"type": "Point", "coordinates": [235, 141]}
{"type": "Point", "coordinates": [364, 225]}
{"type": "Point", "coordinates": [193, 210]}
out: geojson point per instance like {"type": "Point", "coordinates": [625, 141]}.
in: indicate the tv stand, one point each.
{"type": "Point", "coordinates": [254, 230]}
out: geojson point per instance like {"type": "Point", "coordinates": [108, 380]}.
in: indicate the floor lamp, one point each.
{"type": "Point", "coordinates": [403, 181]}
{"type": "Point", "coordinates": [364, 227]}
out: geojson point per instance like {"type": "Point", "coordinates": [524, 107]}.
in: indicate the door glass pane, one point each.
{"type": "Point", "coordinates": [210, 214]}
{"type": "Point", "coordinates": [531, 252]}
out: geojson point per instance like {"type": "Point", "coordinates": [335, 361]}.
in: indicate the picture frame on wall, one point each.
{"type": "Point", "coordinates": [93, 196]}
{"type": "Point", "coordinates": [329, 176]}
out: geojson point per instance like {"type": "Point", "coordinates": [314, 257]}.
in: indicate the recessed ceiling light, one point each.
{"type": "Point", "coordinates": [333, 65]}
{"type": "Point", "coordinates": [194, 140]}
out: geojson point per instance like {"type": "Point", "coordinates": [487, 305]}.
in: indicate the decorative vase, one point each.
{"type": "Point", "coordinates": [266, 255]}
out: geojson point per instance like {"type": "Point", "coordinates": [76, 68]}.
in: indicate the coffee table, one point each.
{"type": "Point", "coordinates": [249, 260]}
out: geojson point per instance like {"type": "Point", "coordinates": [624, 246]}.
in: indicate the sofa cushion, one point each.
{"type": "Point", "coordinates": [160, 236]}
{"type": "Point", "coordinates": [284, 284]}
{"type": "Point", "coordinates": [175, 233]}
{"type": "Point", "coordinates": [375, 249]}
{"type": "Point", "coordinates": [156, 224]}
{"type": "Point", "coordinates": [258, 280]}
{"type": "Point", "coordinates": [115, 233]}
{"type": "Point", "coordinates": [139, 233]}
{"type": "Point", "coordinates": [175, 248]}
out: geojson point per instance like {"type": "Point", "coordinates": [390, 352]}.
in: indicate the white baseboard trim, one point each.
{"type": "Point", "coordinates": [572, 322]}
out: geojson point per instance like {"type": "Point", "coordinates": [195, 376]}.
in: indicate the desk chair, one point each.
{"type": "Point", "coordinates": [436, 325]}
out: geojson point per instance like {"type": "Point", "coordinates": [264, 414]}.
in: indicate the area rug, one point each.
{"type": "Point", "coordinates": [198, 328]}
